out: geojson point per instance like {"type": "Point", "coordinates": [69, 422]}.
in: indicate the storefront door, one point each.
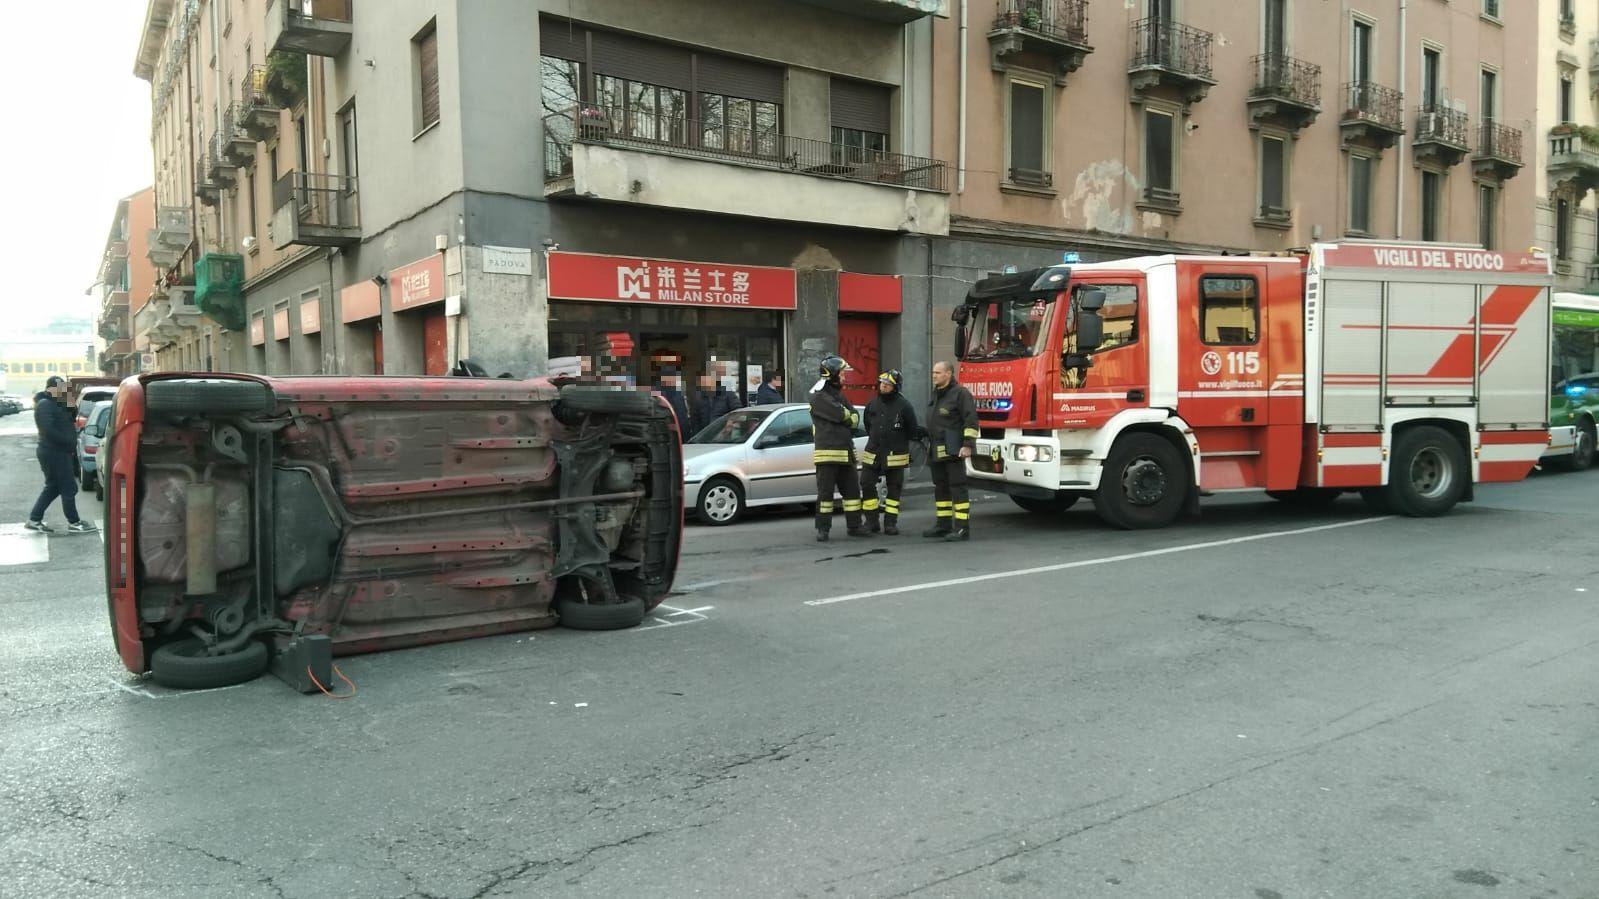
{"type": "Point", "coordinates": [858, 345]}
{"type": "Point", "coordinates": [435, 344]}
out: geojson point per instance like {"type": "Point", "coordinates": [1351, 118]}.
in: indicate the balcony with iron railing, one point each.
{"type": "Point", "coordinates": [1056, 30]}
{"type": "Point", "coordinates": [639, 157]}
{"type": "Point", "coordinates": [1443, 134]}
{"type": "Point", "coordinates": [256, 112]}
{"type": "Point", "coordinates": [170, 237]}
{"type": "Point", "coordinates": [312, 27]}
{"type": "Point", "coordinates": [315, 210]}
{"type": "Point", "coordinates": [1573, 159]}
{"type": "Point", "coordinates": [1286, 91]}
{"type": "Point", "coordinates": [1169, 54]}
{"type": "Point", "coordinates": [1497, 153]}
{"type": "Point", "coordinates": [899, 12]}
{"type": "Point", "coordinates": [236, 144]}
{"type": "Point", "coordinates": [1372, 113]}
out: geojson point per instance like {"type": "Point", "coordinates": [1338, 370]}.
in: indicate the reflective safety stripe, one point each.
{"type": "Point", "coordinates": [945, 513]}
{"type": "Point", "coordinates": [970, 433]}
{"type": "Point", "coordinates": [826, 457]}
{"type": "Point", "coordinates": [963, 505]}
{"type": "Point", "coordinates": [868, 505]}
{"type": "Point", "coordinates": [942, 453]}
{"type": "Point", "coordinates": [899, 460]}
{"type": "Point", "coordinates": [824, 507]}
{"type": "Point", "coordinates": [891, 505]}
{"type": "Point", "coordinates": [852, 505]}
{"type": "Point", "coordinates": [943, 503]}
{"type": "Point", "coordinates": [868, 458]}
{"type": "Point", "coordinates": [963, 516]}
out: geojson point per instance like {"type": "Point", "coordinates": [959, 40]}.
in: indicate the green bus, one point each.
{"type": "Point", "coordinates": [1574, 382]}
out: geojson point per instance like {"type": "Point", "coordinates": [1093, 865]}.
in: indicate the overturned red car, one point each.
{"type": "Point", "coordinates": [259, 522]}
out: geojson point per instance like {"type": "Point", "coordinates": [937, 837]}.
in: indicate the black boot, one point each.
{"type": "Point", "coordinates": [872, 523]}
{"type": "Point", "coordinates": [938, 530]}
{"type": "Point", "coordinates": [960, 534]}
{"type": "Point", "coordinates": [859, 531]}
{"type": "Point", "coordinates": [821, 536]}
{"type": "Point", "coordinates": [891, 526]}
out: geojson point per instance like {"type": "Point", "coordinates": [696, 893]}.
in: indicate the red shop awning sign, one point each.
{"type": "Point", "coordinates": [621, 279]}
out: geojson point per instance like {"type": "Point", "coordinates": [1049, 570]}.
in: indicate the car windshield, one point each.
{"type": "Point", "coordinates": [734, 427]}
{"type": "Point", "coordinates": [1008, 328]}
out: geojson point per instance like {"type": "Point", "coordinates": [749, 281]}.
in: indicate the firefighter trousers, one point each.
{"type": "Point", "coordinates": [831, 476]}
{"type": "Point", "coordinates": [950, 498]}
{"type": "Point", "coordinates": [890, 504]}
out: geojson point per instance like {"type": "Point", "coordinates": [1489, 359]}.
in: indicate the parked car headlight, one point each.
{"type": "Point", "coordinates": [1028, 452]}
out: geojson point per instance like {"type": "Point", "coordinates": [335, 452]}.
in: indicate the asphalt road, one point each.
{"type": "Point", "coordinates": [1263, 703]}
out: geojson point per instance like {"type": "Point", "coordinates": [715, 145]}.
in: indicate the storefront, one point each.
{"type": "Point", "coordinates": [635, 319]}
{"type": "Point", "coordinates": [417, 298]}
{"type": "Point", "coordinates": [361, 315]}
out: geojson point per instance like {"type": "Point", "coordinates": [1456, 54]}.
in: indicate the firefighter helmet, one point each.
{"type": "Point", "coordinates": [893, 377]}
{"type": "Point", "coordinates": [833, 367]}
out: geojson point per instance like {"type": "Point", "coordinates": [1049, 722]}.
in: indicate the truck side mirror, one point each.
{"type": "Point", "coordinates": [1091, 300]}
{"type": "Point", "coordinates": [1090, 329]}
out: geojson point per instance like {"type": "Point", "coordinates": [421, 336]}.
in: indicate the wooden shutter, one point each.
{"type": "Point", "coordinates": [856, 104]}
{"type": "Point", "coordinates": [563, 40]}
{"type": "Point", "coordinates": [738, 78]}
{"type": "Point", "coordinates": [630, 58]}
{"type": "Point", "coordinates": [428, 47]}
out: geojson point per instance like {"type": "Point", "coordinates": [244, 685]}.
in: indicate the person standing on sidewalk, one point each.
{"type": "Point", "coordinates": [952, 427]}
{"type": "Point", "coordinates": [58, 440]}
{"type": "Point", "coordinates": [771, 389]}
{"type": "Point", "coordinates": [833, 419]}
{"type": "Point", "coordinates": [890, 427]}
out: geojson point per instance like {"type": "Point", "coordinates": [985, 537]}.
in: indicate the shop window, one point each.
{"type": "Point", "coordinates": [1229, 310]}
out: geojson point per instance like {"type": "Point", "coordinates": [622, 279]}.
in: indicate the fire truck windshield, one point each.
{"type": "Point", "coordinates": [1005, 328]}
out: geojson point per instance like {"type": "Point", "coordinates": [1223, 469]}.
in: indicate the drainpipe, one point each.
{"type": "Point", "coordinates": [216, 123]}
{"type": "Point", "coordinates": [1399, 173]}
{"type": "Point", "coordinates": [960, 153]}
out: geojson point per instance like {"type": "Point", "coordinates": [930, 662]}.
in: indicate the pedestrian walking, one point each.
{"type": "Point", "coordinates": [771, 389]}
{"type": "Point", "coordinates": [58, 440]}
{"type": "Point", "coordinates": [833, 417]}
{"type": "Point", "coordinates": [890, 428]}
{"type": "Point", "coordinates": [952, 428]}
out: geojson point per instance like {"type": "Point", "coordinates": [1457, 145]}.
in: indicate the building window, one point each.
{"type": "Point", "coordinates": [1567, 95]}
{"type": "Point", "coordinates": [1361, 42]}
{"type": "Point", "coordinates": [859, 114]}
{"type": "Point", "coordinates": [425, 61]}
{"type": "Point", "coordinates": [1027, 150]}
{"type": "Point", "coordinates": [1432, 199]}
{"type": "Point", "coordinates": [1490, 8]}
{"type": "Point", "coordinates": [1160, 158]}
{"type": "Point", "coordinates": [1360, 194]}
{"type": "Point", "coordinates": [251, 227]}
{"type": "Point", "coordinates": [739, 125]}
{"type": "Point", "coordinates": [1562, 230]}
{"type": "Point", "coordinates": [1229, 311]}
{"type": "Point", "coordinates": [347, 143]}
{"type": "Point", "coordinates": [1273, 178]}
{"type": "Point", "coordinates": [1488, 102]}
{"type": "Point", "coordinates": [1432, 61]}
{"type": "Point", "coordinates": [643, 111]}
{"type": "Point", "coordinates": [1487, 216]}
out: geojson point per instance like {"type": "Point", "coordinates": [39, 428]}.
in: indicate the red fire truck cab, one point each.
{"type": "Point", "coordinates": [1407, 372]}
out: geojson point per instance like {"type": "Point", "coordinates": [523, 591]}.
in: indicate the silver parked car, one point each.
{"type": "Point", "coordinates": [750, 457]}
{"type": "Point", "coordinates": [90, 436]}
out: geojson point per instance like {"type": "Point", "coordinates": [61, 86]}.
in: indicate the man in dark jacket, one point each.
{"type": "Point", "coordinates": [58, 440]}
{"type": "Point", "coordinates": [771, 389]}
{"type": "Point", "coordinates": [672, 391]}
{"type": "Point", "coordinates": [890, 428]}
{"type": "Point", "coordinates": [833, 418]}
{"type": "Point", "coordinates": [712, 402]}
{"type": "Point", "coordinates": [952, 428]}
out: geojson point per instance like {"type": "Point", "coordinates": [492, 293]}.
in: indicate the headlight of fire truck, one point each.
{"type": "Point", "coordinates": [1027, 452]}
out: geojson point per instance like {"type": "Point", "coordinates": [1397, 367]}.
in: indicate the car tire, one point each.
{"type": "Point", "coordinates": [99, 490]}
{"type": "Point", "coordinates": [721, 502]}
{"type": "Point", "coordinates": [1055, 505]}
{"type": "Point", "coordinates": [183, 665]}
{"type": "Point", "coordinates": [583, 398]}
{"type": "Point", "coordinates": [86, 481]}
{"type": "Point", "coordinates": [1307, 497]}
{"type": "Point", "coordinates": [605, 616]}
{"type": "Point", "coordinates": [1582, 456]}
{"type": "Point", "coordinates": [182, 397]}
{"type": "Point", "coordinates": [1143, 485]}
{"type": "Point", "coordinates": [1427, 473]}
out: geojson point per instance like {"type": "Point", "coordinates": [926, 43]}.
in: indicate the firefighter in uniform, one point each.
{"type": "Point", "coordinates": [890, 428]}
{"type": "Point", "coordinates": [833, 418]}
{"type": "Point", "coordinates": [952, 427]}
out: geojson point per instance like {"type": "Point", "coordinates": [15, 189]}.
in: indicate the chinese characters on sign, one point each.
{"type": "Point", "coordinates": [579, 276]}
{"type": "Point", "coordinates": [417, 284]}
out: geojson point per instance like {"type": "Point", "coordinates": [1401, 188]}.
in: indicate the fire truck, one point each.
{"type": "Point", "coordinates": [1406, 372]}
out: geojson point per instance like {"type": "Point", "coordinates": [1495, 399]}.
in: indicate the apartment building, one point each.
{"type": "Point", "coordinates": [703, 185]}
{"type": "Point", "coordinates": [125, 280]}
{"type": "Point", "coordinates": [1567, 69]}
{"type": "Point", "coordinates": [1116, 127]}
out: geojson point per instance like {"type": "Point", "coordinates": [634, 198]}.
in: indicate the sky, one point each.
{"type": "Point", "coordinates": [80, 141]}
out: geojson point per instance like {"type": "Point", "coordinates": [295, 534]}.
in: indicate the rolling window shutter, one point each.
{"type": "Point", "coordinates": [856, 104]}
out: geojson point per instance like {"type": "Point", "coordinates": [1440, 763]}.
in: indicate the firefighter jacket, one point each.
{"type": "Point", "coordinates": [953, 421]}
{"type": "Point", "coordinates": [890, 426]}
{"type": "Point", "coordinates": [833, 420]}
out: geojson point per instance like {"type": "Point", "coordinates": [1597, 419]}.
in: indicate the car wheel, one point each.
{"type": "Point", "coordinates": [1582, 455]}
{"type": "Point", "coordinates": [210, 397]}
{"type": "Point", "coordinates": [1060, 502]}
{"type": "Point", "coordinates": [1307, 497]}
{"type": "Point", "coordinates": [603, 616]}
{"type": "Point", "coordinates": [183, 664]}
{"type": "Point", "coordinates": [721, 501]}
{"type": "Point", "coordinates": [99, 490]}
{"type": "Point", "coordinates": [86, 481]}
{"type": "Point", "coordinates": [1427, 473]}
{"type": "Point", "coordinates": [1143, 484]}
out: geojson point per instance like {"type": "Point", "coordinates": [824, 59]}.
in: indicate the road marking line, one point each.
{"type": "Point", "coordinates": [657, 622]}
{"type": "Point", "coordinates": [1086, 563]}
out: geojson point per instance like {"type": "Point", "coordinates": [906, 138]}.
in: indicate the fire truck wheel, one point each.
{"type": "Point", "coordinates": [1053, 506]}
{"type": "Point", "coordinates": [1427, 474]}
{"type": "Point", "coordinates": [1143, 484]}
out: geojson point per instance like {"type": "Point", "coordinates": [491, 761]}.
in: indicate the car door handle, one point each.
{"type": "Point", "coordinates": [1136, 395]}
